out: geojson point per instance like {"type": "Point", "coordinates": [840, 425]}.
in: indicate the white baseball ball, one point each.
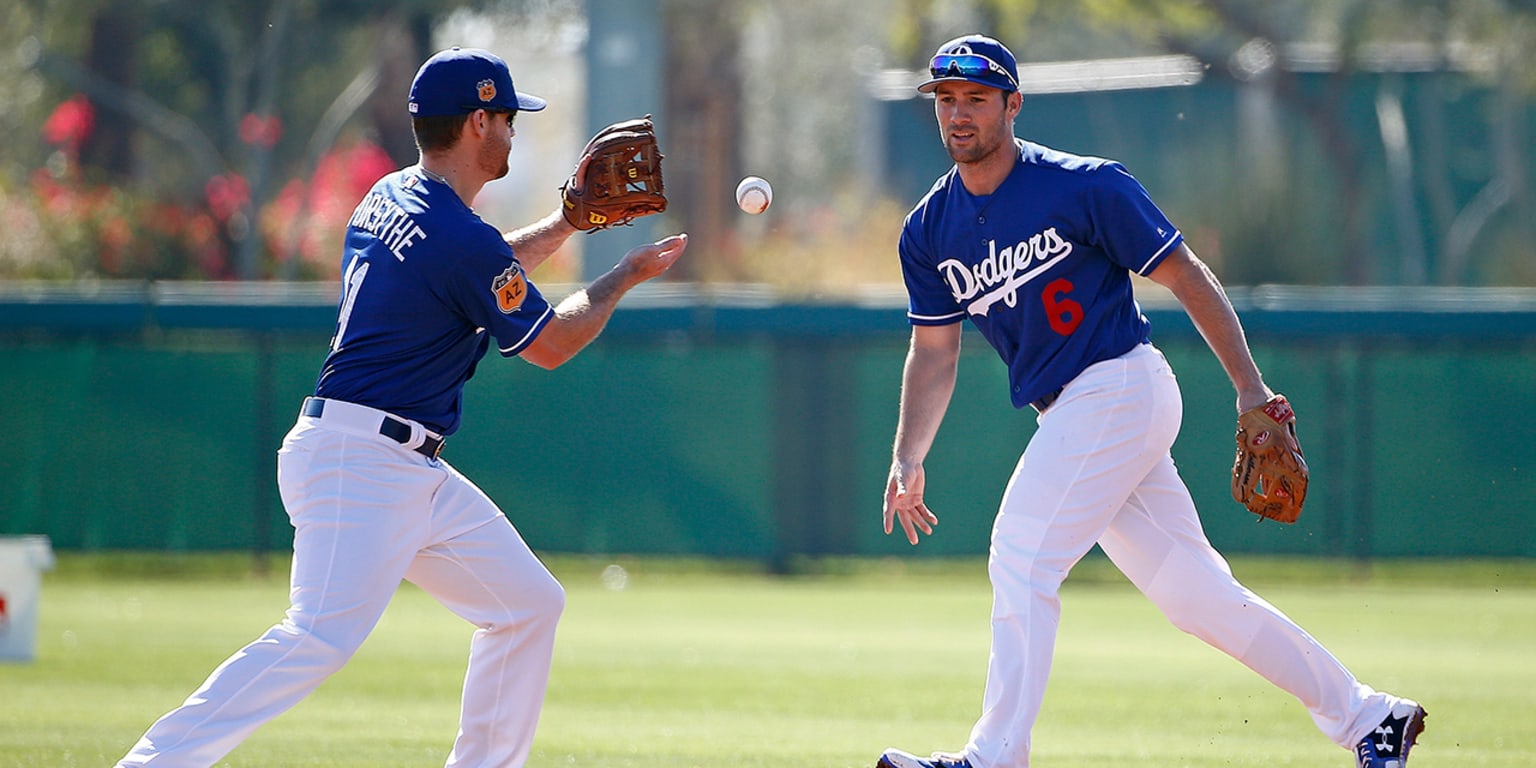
{"type": "Point", "coordinates": [754, 194]}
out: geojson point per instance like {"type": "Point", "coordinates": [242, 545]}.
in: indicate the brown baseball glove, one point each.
{"type": "Point", "coordinates": [617, 179]}
{"type": "Point", "coordinates": [1269, 476]}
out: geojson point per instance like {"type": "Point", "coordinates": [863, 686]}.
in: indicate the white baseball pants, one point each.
{"type": "Point", "coordinates": [366, 513]}
{"type": "Point", "coordinates": [1099, 470]}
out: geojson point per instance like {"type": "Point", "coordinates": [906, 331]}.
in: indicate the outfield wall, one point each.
{"type": "Point", "coordinates": [734, 425]}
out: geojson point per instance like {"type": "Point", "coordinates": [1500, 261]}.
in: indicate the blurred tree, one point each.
{"type": "Point", "coordinates": [703, 83]}
{"type": "Point", "coordinates": [113, 51]}
{"type": "Point", "coordinates": [217, 106]}
{"type": "Point", "coordinates": [214, 101]}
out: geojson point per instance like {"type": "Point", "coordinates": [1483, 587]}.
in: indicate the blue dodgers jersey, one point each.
{"type": "Point", "coordinates": [426, 284]}
{"type": "Point", "coordinates": [1042, 265]}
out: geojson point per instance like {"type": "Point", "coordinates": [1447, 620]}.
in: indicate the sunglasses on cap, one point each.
{"type": "Point", "coordinates": [968, 65]}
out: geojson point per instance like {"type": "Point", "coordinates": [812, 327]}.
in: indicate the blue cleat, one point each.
{"type": "Point", "coordinates": [895, 758]}
{"type": "Point", "coordinates": [1389, 744]}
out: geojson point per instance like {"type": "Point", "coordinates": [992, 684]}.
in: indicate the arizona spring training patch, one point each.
{"type": "Point", "coordinates": [510, 288]}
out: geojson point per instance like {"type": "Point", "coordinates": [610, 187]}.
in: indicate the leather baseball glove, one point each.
{"type": "Point", "coordinates": [1269, 476]}
{"type": "Point", "coordinates": [617, 179]}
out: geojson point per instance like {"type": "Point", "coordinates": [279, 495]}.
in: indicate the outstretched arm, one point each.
{"type": "Point", "coordinates": [1203, 298]}
{"type": "Point", "coordinates": [927, 383]}
{"type": "Point", "coordinates": [535, 243]}
{"type": "Point", "coordinates": [581, 316]}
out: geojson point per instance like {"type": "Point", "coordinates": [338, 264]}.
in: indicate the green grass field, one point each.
{"type": "Point", "coordinates": [704, 664]}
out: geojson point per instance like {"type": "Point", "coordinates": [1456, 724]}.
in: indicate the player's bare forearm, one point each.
{"type": "Point", "coordinates": [927, 384]}
{"type": "Point", "coordinates": [580, 317]}
{"type": "Point", "coordinates": [1203, 298]}
{"type": "Point", "coordinates": [578, 320]}
{"type": "Point", "coordinates": [535, 243]}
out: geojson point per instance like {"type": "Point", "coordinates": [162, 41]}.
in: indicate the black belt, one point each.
{"type": "Point", "coordinates": [390, 427]}
{"type": "Point", "coordinates": [1045, 401]}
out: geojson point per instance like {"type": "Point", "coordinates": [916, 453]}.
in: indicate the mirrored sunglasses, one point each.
{"type": "Point", "coordinates": [968, 65]}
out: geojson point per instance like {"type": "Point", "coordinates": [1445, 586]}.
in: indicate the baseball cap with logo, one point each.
{"type": "Point", "coordinates": [461, 80]}
{"type": "Point", "coordinates": [976, 59]}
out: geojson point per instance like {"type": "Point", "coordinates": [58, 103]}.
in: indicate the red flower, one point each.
{"type": "Point", "coordinates": [70, 123]}
{"type": "Point", "coordinates": [260, 131]}
{"type": "Point", "coordinates": [227, 194]}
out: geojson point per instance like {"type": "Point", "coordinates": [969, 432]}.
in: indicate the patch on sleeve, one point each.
{"type": "Point", "coordinates": [510, 287]}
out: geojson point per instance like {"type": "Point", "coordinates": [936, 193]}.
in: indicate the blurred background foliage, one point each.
{"type": "Point", "coordinates": [229, 140]}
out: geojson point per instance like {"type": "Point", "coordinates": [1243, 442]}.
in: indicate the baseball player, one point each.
{"type": "Point", "coordinates": [1036, 247]}
{"type": "Point", "coordinates": [428, 287]}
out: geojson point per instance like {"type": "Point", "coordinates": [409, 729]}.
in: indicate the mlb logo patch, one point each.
{"type": "Point", "coordinates": [510, 287]}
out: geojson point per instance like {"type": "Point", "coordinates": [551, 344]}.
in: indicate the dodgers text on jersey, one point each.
{"type": "Point", "coordinates": [1000, 275]}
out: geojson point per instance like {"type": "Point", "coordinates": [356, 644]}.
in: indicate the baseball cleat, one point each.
{"type": "Point", "coordinates": [895, 758]}
{"type": "Point", "coordinates": [1389, 744]}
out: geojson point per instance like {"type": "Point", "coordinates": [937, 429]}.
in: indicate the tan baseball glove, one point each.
{"type": "Point", "coordinates": [1269, 476]}
{"type": "Point", "coordinates": [617, 179]}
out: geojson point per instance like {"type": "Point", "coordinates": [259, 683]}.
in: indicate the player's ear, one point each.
{"type": "Point", "coordinates": [1015, 104]}
{"type": "Point", "coordinates": [479, 121]}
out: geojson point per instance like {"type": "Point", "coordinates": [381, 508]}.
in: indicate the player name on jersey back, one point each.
{"type": "Point", "coordinates": [386, 220]}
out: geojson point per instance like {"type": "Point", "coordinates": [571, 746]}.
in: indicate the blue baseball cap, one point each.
{"type": "Point", "coordinates": [461, 80]}
{"type": "Point", "coordinates": [974, 59]}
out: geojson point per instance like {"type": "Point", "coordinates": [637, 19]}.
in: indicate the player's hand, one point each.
{"type": "Point", "coordinates": [904, 501]}
{"type": "Point", "coordinates": [647, 261]}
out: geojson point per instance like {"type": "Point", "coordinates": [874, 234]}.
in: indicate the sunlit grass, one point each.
{"type": "Point", "coordinates": [697, 663]}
